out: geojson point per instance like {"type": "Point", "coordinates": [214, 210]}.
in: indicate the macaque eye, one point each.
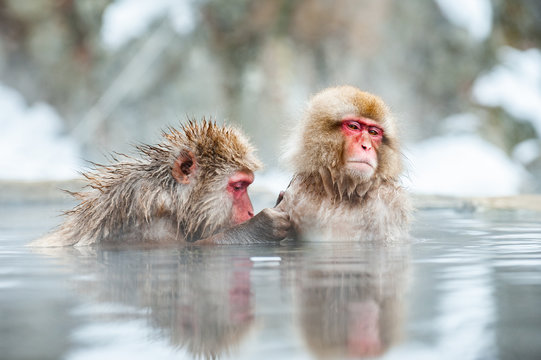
{"type": "Point", "coordinates": [353, 126]}
{"type": "Point", "coordinates": [239, 182]}
{"type": "Point", "coordinates": [373, 132]}
{"type": "Point", "coordinates": [239, 186]}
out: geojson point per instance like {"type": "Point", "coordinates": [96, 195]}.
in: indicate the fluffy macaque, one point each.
{"type": "Point", "coordinates": [191, 187]}
{"type": "Point", "coordinates": [346, 158]}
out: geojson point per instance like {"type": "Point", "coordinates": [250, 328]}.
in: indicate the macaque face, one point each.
{"type": "Point", "coordinates": [362, 138]}
{"type": "Point", "coordinates": [237, 188]}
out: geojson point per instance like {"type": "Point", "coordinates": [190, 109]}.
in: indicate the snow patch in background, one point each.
{"type": "Point", "coordinates": [473, 15]}
{"type": "Point", "coordinates": [125, 20]}
{"type": "Point", "coordinates": [272, 181]}
{"type": "Point", "coordinates": [32, 143]}
{"type": "Point", "coordinates": [461, 123]}
{"type": "Point", "coordinates": [514, 85]}
{"type": "Point", "coordinates": [527, 151]}
{"type": "Point", "coordinates": [462, 165]}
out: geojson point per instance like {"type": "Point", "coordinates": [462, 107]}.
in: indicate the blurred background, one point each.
{"type": "Point", "coordinates": [80, 79]}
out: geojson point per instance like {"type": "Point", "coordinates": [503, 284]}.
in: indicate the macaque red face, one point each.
{"type": "Point", "coordinates": [237, 188]}
{"type": "Point", "coordinates": [362, 138]}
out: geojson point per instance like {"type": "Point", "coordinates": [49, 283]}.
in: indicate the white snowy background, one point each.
{"type": "Point", "coordinates": [32, 141]}
{"type": "Point", "coordinates": [459, 163]}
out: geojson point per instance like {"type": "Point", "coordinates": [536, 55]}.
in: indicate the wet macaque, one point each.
{"type": "Point", "coordinates": [192, 187]}
{"type": "Point", "coordinates": [346, 158]}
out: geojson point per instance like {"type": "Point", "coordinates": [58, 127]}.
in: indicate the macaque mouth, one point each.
{"type": "Point", "coordinates": [355, 162]}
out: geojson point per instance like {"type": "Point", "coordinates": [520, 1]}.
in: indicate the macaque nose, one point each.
{"type": "Point", "coordinates": [366, 144]}
{"type": "Point", "coordinates": [251, 214]}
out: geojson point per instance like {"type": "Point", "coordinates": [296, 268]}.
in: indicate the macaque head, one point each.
{"type": "Point", "coordinates": [214, 169]}
{"type": "Point", "coordinates": [349, 132]}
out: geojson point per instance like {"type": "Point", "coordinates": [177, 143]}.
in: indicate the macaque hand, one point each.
{"type": "Point", "coordinates": [269, 225]}
{"type": "Point", "coordinates": [273, 224]}
{"type": "Point", "coordinates": [280, 198]}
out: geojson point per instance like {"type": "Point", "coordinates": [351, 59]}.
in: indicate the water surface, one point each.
{"type": "Point", "coordinates": [468, 287]}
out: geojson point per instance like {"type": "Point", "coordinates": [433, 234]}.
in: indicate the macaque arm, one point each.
{"type": "Point", "coordinates": [268, 226]}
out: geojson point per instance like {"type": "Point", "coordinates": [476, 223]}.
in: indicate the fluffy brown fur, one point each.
{"type": "Point", "coordinates": [324, 198]}
{"type": "Point", "coordinates": [139, 199]}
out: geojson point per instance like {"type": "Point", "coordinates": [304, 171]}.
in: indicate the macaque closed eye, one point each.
{"type": "Point", "coordinates": [240, 182]}
{"type": "Point", "coordinates": [239, 186]}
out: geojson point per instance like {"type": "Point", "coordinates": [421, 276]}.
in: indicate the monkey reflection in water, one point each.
{"type": "Point", "coordinates": [346, 159]}
{"type": "Point", "coordinates": [192, 187]}
{"type": "Point", "coordinates": [356, 309]}
{"type": "Point", "coordinates": [199, 298]}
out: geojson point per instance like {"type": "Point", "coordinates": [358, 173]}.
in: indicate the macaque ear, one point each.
{"type": "Point", "coordinates": [184, 167]}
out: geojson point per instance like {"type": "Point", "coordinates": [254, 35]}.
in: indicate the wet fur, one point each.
{"type": "Point", "coordinates": [137, 199]}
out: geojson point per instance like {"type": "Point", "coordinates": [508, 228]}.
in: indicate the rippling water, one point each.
{"type": "Point", "coordinates": [468, 287]}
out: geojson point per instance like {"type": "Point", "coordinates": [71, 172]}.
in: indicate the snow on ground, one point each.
{"type": "Point", "coordinates": [473, 15]}
{"type": "Point", "coordinates": [514, 85]}
{"type": "Point", "coordinates": [125, 20]}
{"type": "Point", "coordinates": [461, 165]}
{"type": "Point", "coordinates": [31, 141]}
